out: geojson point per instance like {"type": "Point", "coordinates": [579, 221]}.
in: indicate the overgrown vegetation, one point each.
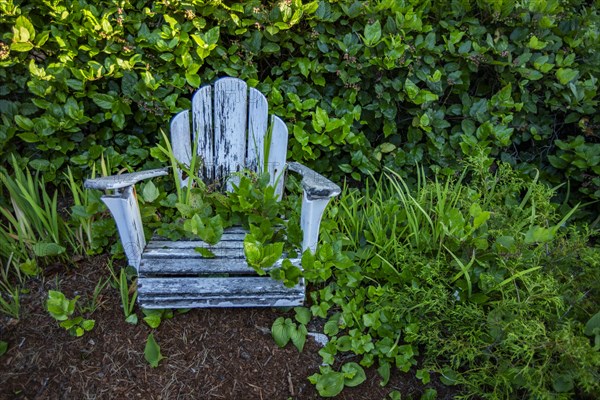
{"type": "Point", "coordinates": [468, 267]}
{"type": "Point", "coordinates": [477, 273]}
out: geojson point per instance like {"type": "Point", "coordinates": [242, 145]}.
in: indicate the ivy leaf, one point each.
{"type": "Point", "coordinates": [152, 352]}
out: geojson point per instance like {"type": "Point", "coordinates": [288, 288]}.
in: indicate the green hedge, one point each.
{"type": "Point", "coordinates": [360, 84]}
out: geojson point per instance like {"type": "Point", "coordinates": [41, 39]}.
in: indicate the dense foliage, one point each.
{"type": "Point", "coordinates": [475, 276]}
{"type": "Point", "coordinates": [363, 83]}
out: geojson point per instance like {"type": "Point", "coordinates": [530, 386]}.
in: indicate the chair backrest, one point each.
{"type": "Point", "coordinates": [229, 124]}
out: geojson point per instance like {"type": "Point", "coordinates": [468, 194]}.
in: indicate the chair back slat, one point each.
{"type": "Point", "coordinates": [229, 125]}
{"type": "Point", "coordinates": [277, 154]}
{"type": "Point", "coordinates": [258, 114]}
{"type": "Point", "coordinates": [230, 117]}
{"type": "Point", "coordinates": [181, 141]}
{"type": "Point", "coordinates": [202, 117]}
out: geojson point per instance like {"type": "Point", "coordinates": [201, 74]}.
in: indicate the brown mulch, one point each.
{"type": "Point", "coordinates": [210, 353]}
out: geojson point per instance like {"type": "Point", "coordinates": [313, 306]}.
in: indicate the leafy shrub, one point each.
{"type": "Point", "coordinates": [361, 83]}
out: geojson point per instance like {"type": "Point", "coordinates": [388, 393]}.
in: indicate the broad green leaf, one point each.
{"type": "Point", "coordinates": [593, 325]}
{"type": "Point", "coordinates": [354, 374]}
{"type": "Point", "coordinates": [298, 336]}
{"type": "Point", "coordinates": [566, 75]}
{"type": "Point", "coordinates": [330, 384]}
{"type": "Point", "coordinates": [372, 33]}
{"type": "Point", "coordinates": [152, 352]}
{"type": "Point", "coordinates": [132, 319]}
{"type": "Point", "coordinates": [3, 347]}
{"type": "Point", "coordinates": [24, 122]}
{"type": "Point", "coordinates": [150, 192]}
{"type": "Point", "coordinates": [153, 320]}
{"type": "Point", "coordinates": [21, 47]}
{"type": "Point", "coordinates": [303, 315]}
{"type": "Point", "coordinates": [535, 43]}
{"type": "Point", "coordinates": [104, 101]}
{"type": "Point", "coordinates": [88, 324]}
{"type": "Point", "coordinates": [280, 332]}
{"type": "Point", "coordinates": [411, 89]}
{"type": "Point", "coordinates": [23, 31]}
{"type": "Point", "coordinates": [539, 234]}
{"type": "Point", "coordinates": [43, 249]}
{"type": "Point", "coordinates": [563, 383]}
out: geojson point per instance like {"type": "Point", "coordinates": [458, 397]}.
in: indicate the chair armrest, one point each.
{"type": "Point", "coordinates": [123, 180]}
{"type": "Point", "coordinates": [315, 185]}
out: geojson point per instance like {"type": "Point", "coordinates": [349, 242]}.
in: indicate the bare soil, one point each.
{"type": "Point", "coordinates": [210, 353]}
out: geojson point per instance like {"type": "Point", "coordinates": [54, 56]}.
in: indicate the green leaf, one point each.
{"type": "Point", "coordinates": [24, 122]}
{"type": "Point", "coordinates": [354, 374]}
{"type": "Point", "coordinates": [535, 43]}
{"type": "Point", "coordinates": [411, 89]}
{"type": "Point", "coordinates": [303, 315]}
{"type": "Point", "coordinates": [43, 249]}
{"type": "Point", "coordinates": [593, 325]}
{"type": "Point", "coordinates": [88, 324]}
{"type": "Point", "coordinates": [566, 75]}
{"type": "Point", "coordinates": [150, 192]}
{"type": "Point", "coordinates": [538, 234]}
{"type": "Point", "coordinates": [204, 252]}
{"type": "Point", "coordinates": [563, 383]}
{"type": "Point", "coordinates": [280, 333]}
{"type": "Point", "coordinates": [372, 33]}
{"type": "Point", "coordinates": [104, 101]}
{"type": "Point", "coordinates": [23, 31]}
{"type": "Point", "coordinates": [3, 347]}
{"type": "Point", "coordinates": [384, 371]}
{"type": "Point", "coordinates": [153, 320]}
{"type": "Point", "coordinates": [21, 47]}
{"type": "Point", "coordinates": [330, 384]}
{"type": "Point", "coordinates": [132, 319]}
{"type": "Point", "coordinates": [152, 352]}
{"type": "Point", "coordinates": [298, 336]}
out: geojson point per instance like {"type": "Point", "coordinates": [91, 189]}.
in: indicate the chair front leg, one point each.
{"type": "Point", "coordinates": [126, 212]}
{"type": "Point", "coordinates": [310, 221]}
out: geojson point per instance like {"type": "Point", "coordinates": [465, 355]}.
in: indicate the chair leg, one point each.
{"type": "Point", "coordinates": [310, 220]}
{"type": "Point", "coordinates": [126, 212]}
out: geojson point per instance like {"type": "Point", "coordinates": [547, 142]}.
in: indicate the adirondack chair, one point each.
{"type": "Point", "coordinates": [228, 122]}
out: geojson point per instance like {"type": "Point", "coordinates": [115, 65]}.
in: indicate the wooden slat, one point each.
{"type": "Point", "coordinates": [192, 244]}
{"type": "Point", "coordinates": [173, 288]}
{"type": "Point", "coordinates": [151, 266]}
{"type": "Point", "coordinates": [190, 252]}
{"type": "Point", "coordinates": [230, 117]}
{"type": "Point", "coordinates": [202, 125]}
{"type": "Point", "coordinates": [258, 113]}
{"type": "Point", "coordinates": [285, 300]}
{"type": "Point", "coordinates": [278, 154]}
{"type": "Point", "coordinates": [181, 140]}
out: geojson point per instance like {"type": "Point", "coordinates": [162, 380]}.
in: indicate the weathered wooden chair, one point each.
{"type": "Point", "coordinates": [228, 122]}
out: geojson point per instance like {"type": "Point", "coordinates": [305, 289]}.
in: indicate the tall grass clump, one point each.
{"type": "Point", "coordinates": [479, 273]}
